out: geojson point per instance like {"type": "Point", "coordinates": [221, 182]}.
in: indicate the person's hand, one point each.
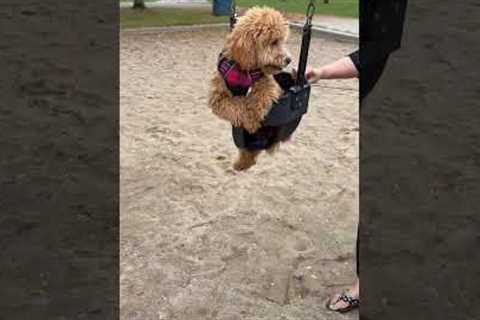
{"type": "Point", "coordinates": [313, 74]}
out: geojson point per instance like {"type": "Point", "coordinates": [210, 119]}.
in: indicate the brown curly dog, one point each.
{"type": "Point", "coordinates": [243, 88]}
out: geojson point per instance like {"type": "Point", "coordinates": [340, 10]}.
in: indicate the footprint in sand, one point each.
{"type": "Point", "coordinates": [225, 164]}
{"type": "Point", "coordinates": [303, 246]}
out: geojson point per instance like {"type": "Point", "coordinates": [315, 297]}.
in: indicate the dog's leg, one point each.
{"type": "Point", "coordinates": [247, 112]}
{"type": "Point", "coordinates": [259, 102]}
{"type": "Point", "coordinates": [246, 159]}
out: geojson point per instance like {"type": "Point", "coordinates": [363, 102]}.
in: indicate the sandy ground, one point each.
{"type": "Point", "coordinates": [201, 242]}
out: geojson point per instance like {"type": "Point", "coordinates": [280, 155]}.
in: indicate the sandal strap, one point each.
{"type": "Point", "coordinates": [345, 297]}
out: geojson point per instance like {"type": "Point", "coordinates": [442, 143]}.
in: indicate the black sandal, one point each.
{"type": "Point", "coordinates": [345, 297]}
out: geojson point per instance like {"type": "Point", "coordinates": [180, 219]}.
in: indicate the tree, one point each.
{"type": "Point", "coordinates": [139, 4]}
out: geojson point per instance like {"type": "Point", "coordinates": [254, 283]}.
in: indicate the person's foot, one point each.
{"type": "Point", "coordinates": [346, 300]}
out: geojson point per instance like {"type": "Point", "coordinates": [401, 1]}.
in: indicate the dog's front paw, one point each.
{"type": "Point", "coordinates": [246, 159]}
{"type": "Point", "coordinates": [240, 165]}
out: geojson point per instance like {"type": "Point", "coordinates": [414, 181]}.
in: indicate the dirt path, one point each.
{"type": "Point", "coordinates": [199, 242]}
{"type": "Point", "coordinates": [345, 25]}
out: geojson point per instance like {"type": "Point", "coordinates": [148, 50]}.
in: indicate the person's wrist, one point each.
{"type": "Point", "coordinates": [319, 73]}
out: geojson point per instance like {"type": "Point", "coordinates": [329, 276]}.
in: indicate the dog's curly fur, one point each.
{"type": "Point", "coordinates": [257, 42]}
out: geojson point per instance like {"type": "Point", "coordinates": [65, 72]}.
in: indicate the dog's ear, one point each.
{"type": "Point", "coordinates": [241, 47]}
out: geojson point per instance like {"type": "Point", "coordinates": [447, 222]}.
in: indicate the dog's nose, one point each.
{"type": "Point", "coordinates": [288, 60]}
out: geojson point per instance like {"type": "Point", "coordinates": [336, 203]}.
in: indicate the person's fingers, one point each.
{"type": "Point", "coordinates": [310, 74]}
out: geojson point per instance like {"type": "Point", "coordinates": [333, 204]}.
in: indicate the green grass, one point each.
{"type": "Point", "coordinates": [344, 8]}
{"type": "Point", "coordinates": [159, 17]}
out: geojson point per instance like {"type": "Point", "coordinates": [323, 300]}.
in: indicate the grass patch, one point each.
{"type": "Point", "coordinates": [343, 8]}
{"type": "Point", "coordinates": [175, 16]}
{"type": "Point", "coordinates": [160, 17]}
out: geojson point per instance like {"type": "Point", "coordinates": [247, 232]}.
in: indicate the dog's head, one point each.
{"type": "Point", "coordinates": [259, 41]}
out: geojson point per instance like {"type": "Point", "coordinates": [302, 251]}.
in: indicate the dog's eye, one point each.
{"type": "Point", "coordinates": [275, 43]}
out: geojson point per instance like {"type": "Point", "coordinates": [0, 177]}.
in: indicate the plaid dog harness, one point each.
{"type": "Point", "coordinates": [239, 82]}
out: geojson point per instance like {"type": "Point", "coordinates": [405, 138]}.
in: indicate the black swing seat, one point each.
{"type": "Point", "coordinates": [282, 119]}
{"type": "Point", "coordinates": [285, 115]}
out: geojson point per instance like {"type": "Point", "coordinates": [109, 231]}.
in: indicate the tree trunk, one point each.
{"type": "Point", "coordinates": [139, 4]}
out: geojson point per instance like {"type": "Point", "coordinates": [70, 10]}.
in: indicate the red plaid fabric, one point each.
{"type": "Point", "coordinates": [236, 80]}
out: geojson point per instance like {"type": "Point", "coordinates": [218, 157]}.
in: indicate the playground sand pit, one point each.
{"type": "Point", "coordinates": [199, 241]}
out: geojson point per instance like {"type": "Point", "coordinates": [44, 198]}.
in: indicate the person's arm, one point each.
{"type": "Point", "coordinates": [344, 68]}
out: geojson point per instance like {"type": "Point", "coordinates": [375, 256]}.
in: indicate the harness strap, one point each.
{"type": "Point", "coordinates": [239, 82]}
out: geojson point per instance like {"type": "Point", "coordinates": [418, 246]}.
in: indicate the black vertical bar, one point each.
{"type": "Point", "coordinates": [302, 63]}
{"type": "Point", "coordinates": [420, 160]}
{"type": "Point", "coordinates": [59, 63]}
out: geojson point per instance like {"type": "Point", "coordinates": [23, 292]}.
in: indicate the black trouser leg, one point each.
{"type": "Point", "coordinates": [357, 251]}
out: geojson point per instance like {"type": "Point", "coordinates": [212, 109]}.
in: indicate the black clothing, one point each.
{"type": "Point", "coordinates": [381, 28]}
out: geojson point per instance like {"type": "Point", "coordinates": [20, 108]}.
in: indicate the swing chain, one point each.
{"type": "Point", "coordinates": [310, 11]}
{"type": "Point", "coordinates": [233, 15]}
